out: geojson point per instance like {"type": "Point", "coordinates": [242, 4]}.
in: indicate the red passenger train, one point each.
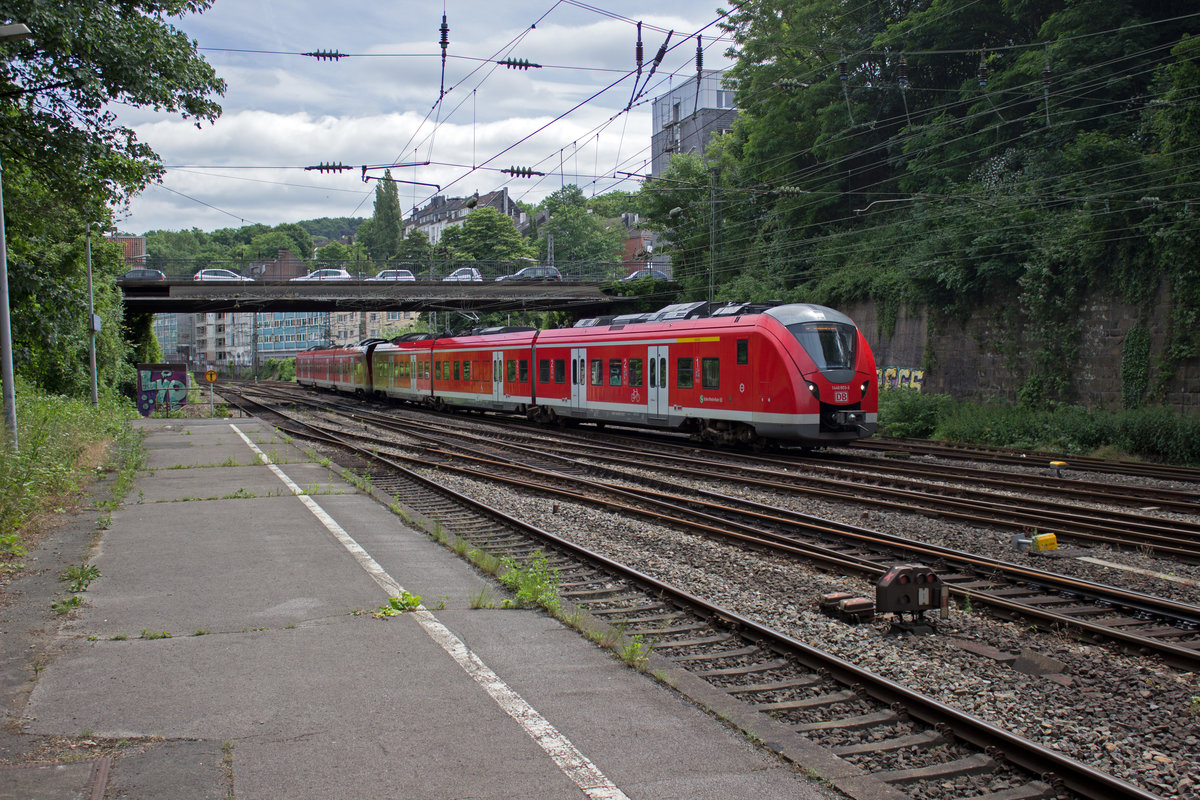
{"type": "Point", "coordinates": [739, 373]}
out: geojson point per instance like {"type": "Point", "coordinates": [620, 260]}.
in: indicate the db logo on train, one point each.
{"type": "Point", "coordinates": [841, 396]}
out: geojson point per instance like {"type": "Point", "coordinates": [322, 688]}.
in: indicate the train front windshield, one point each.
{"type": "Point", "coordinates": [831, 345]}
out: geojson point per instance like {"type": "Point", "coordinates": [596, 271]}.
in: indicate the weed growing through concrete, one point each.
{"type": "Point", "coordinates": [484, 560]}
{"type": "Point", "coordinates": [407, 601]}
{"type": "Point", "coordinates": [240, 494]}
{"type": "Point", "coordinates": [80, 576]}
{"type": "Point", "coordinates": [64, 605]}
{"type": "Point", "coordinates": [148, 634]}
{"type": "Point", "coordinates": [534, 584]}
{"type": "Point", "coordinates": [635, 651]}
{"type": "Point", "coordinates": [482, 598]}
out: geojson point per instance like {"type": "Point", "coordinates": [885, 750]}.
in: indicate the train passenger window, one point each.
{"type": "Point", "coordinates": [574, 373]}
{"type": "Point", "coordinates": [543, 370]}
{"type": "Point", "coordinates": [710, 373]}
{"type": "Point", "coordinates": [512, 370]}
{"type": "Point", "coordinates": [614, 372]}
{"type": "Point", "coordinates": [653, 374]}
{"type": "Point", "coordinates": [597, 372]}
{"type": "Point", "coordinates": [466, 371]}
{"type": "Point", "coordinates": [635, 371]}
{"type": "Point", "coordinates": [683, 373]}
{"type": "Point", "coordinates": [743, 351]}
{"type": "Point", "coordinates": [437, 368]}
{"type": "Point", "coordinates": [524, 370]}
{"type": "Point", "coordinates": [560, 370]}
{"type": "Point", "coordinates": [457, 369]}
{"type": "Point", "coordinates": [662, 372]}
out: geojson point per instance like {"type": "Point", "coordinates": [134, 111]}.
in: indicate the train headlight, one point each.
{"type": "Point", "coordinates": [812, 387]}
{"type": "Point", "coordinates": [865, 385]}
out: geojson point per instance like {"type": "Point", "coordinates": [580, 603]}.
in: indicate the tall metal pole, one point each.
{"type": "Point", "coordinates": [7, 33]}
{"type": "Point", "coordinates": [6, 359]}
{"type": "Point", "coordinates": [712, 232]}
{"type": "Point", "coordinates": [93, 322]}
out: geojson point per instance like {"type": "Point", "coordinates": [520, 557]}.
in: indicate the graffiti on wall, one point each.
{"type": "Point", "coordinates": [161, 387]}
{"type": "Point", "coordinates": [901, 378]}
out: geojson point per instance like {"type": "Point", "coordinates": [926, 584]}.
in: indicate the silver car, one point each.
{"type": "Point", "coordinates": [393, 275]}
{"type": "Point", "coordinates": [326, 275]}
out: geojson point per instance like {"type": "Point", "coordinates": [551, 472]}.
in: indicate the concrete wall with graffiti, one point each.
{"type": "Point", "coordinates": [911, 378]}
{"type": "Point", "coordinates": [161, 387]}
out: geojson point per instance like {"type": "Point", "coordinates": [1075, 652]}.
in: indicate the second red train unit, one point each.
{"type": "Point", "coordinates": [735, 374]}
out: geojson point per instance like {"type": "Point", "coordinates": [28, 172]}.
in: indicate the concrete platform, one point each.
{"type": "Point", "coordinates": [276, 681]}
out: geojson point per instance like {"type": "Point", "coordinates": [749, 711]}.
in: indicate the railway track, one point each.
{"type": "Point", "coordinates": [1138, 622]}
{"type": "Point", "coordinates": [999, 455]}
{"type": "Point", "coordinates": [863, 734]}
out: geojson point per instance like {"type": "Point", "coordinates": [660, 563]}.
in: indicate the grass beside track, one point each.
{"type": "Point", "coordinates": [64, 444]}
{"type": "Point", "coordinates": [1152, 434]}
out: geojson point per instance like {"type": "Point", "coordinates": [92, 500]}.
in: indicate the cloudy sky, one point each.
{"type": "Point", "coordinates": [384, 104]}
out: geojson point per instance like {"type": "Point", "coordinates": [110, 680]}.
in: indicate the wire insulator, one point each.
{"type": "Point", "coordinates": [903, 72]}
{"type": "Point", "coordinates": [445, 42]}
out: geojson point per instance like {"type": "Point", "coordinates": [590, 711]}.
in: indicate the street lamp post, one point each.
{"type": "Point", "coordinates": [7, 33]}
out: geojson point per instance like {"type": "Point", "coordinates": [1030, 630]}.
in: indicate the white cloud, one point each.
{"type": "Point", "coordinates": [284, 111]}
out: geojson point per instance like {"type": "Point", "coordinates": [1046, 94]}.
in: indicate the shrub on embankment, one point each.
{"type": "Point", "coordinates": [62, 442]}
{"type": "Point", "coordinates": [1154, 434]}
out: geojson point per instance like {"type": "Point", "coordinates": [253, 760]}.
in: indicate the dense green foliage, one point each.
{"type": "Point", "coordinates": [67, 160]}
{"type": "Point", "coordinates": [48, 471]}
{"type": "Point", "coordinates": [957, 154]}
{"type": "Point", "coordinates": [1155, 434]}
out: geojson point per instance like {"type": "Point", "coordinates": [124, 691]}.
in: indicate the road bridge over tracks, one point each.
{"type": "Point", "coordinates": [165, 297]}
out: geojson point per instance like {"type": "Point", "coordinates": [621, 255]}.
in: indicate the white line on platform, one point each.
{"type": "Point", "coordinates": [574, 764]}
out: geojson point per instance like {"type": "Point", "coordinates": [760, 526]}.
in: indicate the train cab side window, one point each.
{"type": "Point", "coordinates": [524, 370]}
{"type": "Point", "coordinates": [614, 372]}
{"type": "Point", "coordinates": [597, 372]}
{"type": "Point", "coordinates": [543, 370]}
{"type": "Point", "coordinates": [635, 371]}
{"type": "Point", "coordinates": [683, 373]}
{"type": "Point", "coordinates": [710, 373]}
{"type": "Point", "coordinates": [512, 371]}
{"type": "Point", "coordinates": [560, 370]}
{"type": "Point", "coordinates": [743, 351]}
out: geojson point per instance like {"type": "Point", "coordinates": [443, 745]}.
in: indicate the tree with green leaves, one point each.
{"type": "Point", "coordinates": [486, 235]}
{"type": "Point", "coordinates": [67, 160]}
{"type": "Point", "coordinates": [579, 235]}
{"type": "Point", "coordinates": [382, 234]}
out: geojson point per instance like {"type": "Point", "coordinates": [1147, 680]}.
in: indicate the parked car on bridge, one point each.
{"type": "Point", "coordinates": [393, 275]}
{"type": "Point", "coordinates": [326, 275]}
{"type": "Point", "coordinates": [656, 274]}
{"type": "Point", "coordinates": [464, 274]}
{"type": "Point", "coordinates": [535, 273]}
{"type": "Point", "coordinates": [214, 274]}
{"type": "Point", "coordinates": [143, 274]}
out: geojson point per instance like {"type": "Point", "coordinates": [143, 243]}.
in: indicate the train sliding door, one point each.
{"type": "Point", "coordinates": [497, 376]}
{"type": "Point", "coordinates": [657, 403]}
{"type": "Point", "coordinates": [579, 378]}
